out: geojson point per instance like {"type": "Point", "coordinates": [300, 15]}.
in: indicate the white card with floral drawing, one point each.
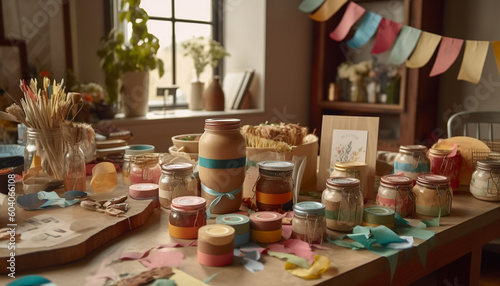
{"type": "Point", "coordinates": [348, 145]}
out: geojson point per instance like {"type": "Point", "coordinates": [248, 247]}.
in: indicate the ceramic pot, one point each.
{"type": "Point", "coordinates": [134, 91]}
{"type": "Point", "coordinates": [196, 95]}
{"type": "Point", "coordinates": [214, 96]}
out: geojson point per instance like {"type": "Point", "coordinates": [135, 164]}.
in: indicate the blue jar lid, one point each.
{"type": "Point", "coordinates": [305, 208]}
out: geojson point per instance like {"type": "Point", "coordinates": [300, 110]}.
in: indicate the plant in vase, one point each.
{"type": "Point", "coordinates": [131, 61]}
{"type": "Point", "coordinates": [204, 52]}
{"type": "Point", "coordinates": [352, 76]}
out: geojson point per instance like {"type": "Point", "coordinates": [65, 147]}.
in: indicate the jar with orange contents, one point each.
{"type": "Point", "coordinates": [274, 187]}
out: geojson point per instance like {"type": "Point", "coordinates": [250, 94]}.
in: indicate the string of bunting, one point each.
{"type": "Point", "coordinates": [406, 44]}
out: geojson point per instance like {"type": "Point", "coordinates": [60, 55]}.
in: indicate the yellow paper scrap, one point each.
{"type": "Point", "coordinates": [321, 264]}
{"type": "Point", "coordinates": [182, 278]}
{"type": "Point", "coordinates": [426, 45]}
{"type": "Point", "coordinates": [473, 61]}
{"type": "Point", "coordinates": [327, 10]}
{"type": "Point", "coordinates": [496, 49]}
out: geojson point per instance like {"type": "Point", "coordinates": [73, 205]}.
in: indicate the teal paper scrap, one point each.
{"type": "Point", "coordinates": [42, 199]}
{"type": "Point", "coordinates": [294, 259]}
{"type": "Point", "coordinates": [249, 260]}
{"type": "Point", "coordinates": [210, 278]}
{"type": "Point", "coordinates": [366, 30]}
{"type": "Point", "coordinates": [164, 282]}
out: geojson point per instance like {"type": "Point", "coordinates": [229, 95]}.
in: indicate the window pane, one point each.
{"type": "Point", "coordinates": [202, 11]}
{"type": "Point", "coordinates": [163, 31]}
{"type": "Point", "coordinates": [185, 65]}
{"type": "Point", "coordinates": [158, 8]}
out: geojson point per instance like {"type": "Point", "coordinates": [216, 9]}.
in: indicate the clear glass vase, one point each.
{"type": "Point", "coordinates": [45, 148]}
{"type": "Point", "coordinates": [74, 168]}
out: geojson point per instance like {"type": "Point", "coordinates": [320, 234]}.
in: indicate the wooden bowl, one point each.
{"type": "Point", "coordinates": [187, 142]}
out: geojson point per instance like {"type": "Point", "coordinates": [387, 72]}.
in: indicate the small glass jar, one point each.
{"type": "Point", "coordinates": [274, 186]}
{"type": "Point", "coordinates": [144, 168]}
{"type": "Point", "coordinates": [485, 182]}
{"type": "Point", "coordinates": [351, 169]}
{"type": "Point", "coordinates": [433, 196]}
{"type": "Point", "coordinates": [309, 223]}
{"type": "Point", "coordinates": [395, 192]}
{"type": "Point", "coordinates": [412, 161]}
{"type": "Point", "coordinates": [131, 151]}
{"type": "Point", "coordinates": [45, 148]}
{"type": "Point", "coordinates": [75, 177]}
{"type": "Point", "coordinates": [343, 202]}
{"type": "Point", "coordinates": [187, 215]}
{"type": "Point", "coordinates": [176, 180]}
{"type": "Point", "coordinates": [443, 162]}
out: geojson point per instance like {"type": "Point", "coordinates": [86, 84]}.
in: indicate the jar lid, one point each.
{"type": "Point", "coordinates": [222, 123]}
{"type": "Point", "coordinates": [276, 166]}
{"type": "Point", "coordinates": [305, 208]}
{"type": "Point", "coordinates": [180, 167]}
{"type": "Point", "coordinates": [410, 149]}
{"type": "Point", "coordinates": [265, 216]}
{"type": "Point", "coordinates": [487, 165]}
{"type": "Point", "coordinates": [232, 219]}
{"type": "Point", "coordinates": [216, 234]}
{"type": "Point", "coordinates": [266, 220]}
{"type": "Point", "coordinates": [146, 158]}
{"type": "Point", "coordinates": [396, 180]}
{"type": "Point", "coordinates": [432, 180]}
{"type": "Point", "coordinates": [188, 203]}
{"type": "Point", "coordinates": [139, 149]}
{"type": "Point", "coordinates": [341, 166]}
{"type": "Point", "coordinates": [342, 182]}
{"type": "Point", "coordinates": [143, 190]}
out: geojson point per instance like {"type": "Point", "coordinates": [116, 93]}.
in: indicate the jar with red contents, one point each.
{"type": "Point", "coordinates": [395, 192]}
{"type": "Point", "coordinates": [187, 215]}
{"type": "Point", "coordinates": [145, 168]}
{"type": "Point", "coordinates": [446, 162]}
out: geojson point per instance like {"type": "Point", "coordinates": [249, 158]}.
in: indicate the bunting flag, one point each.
{"type": "Point", "coordinates": [473, 62]}
{"type": "Point", "coordinates": [427, 44]}
{"type": "Point", "coordinates": [386, 35]}
{"type": "Point", "coordinates": [352, 14]}
{"type": "Point", "coordinates": [309, 6]}
{"type": "Point", "coordinates": [327, 10]}
{"type": "Point", "coordinates": [405, 43]}
{"type": "Point", "coordinates": [366, 30]}
{"type": "Point", "coordinates": [447, 54]}
{"type": "Point", "coordinates": [496, 50]}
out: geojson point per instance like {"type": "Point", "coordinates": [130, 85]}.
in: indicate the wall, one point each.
{"type": "Point", "coordinates": [469, 20]}
{"type": "Point", "coordinates": [273, 37]}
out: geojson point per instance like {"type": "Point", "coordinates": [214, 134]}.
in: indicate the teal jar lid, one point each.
{"type": "Point", "coordinates": [232, 219]}
{"type": "Point", "coordinates": [305, 208]}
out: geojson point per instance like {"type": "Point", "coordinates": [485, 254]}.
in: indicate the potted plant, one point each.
{"type": "Point", "coordinates": [130, 61]}
{"type": "Point", "coordinates": [204, 52]}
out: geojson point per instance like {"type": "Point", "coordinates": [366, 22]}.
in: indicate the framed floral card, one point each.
{"type": "Point", "coordinates": [348, 138]}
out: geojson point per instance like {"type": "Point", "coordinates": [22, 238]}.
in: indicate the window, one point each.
{"type": "Point", "coordinates": [172, 22]}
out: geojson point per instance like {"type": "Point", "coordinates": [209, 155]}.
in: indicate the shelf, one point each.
{"type": "Point", "coordinates": [362, 107]}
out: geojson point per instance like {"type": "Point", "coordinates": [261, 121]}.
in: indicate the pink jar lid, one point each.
{"type": "Point", "coordinates": [188, 203]}
{"type": "Point", "coordinates": [222, 123]}
{"type": "Point", "coordinates": [143, 190]}
{"type": "Point", "coordinates": [432, 180]}
{"type": "Point", "coordinates": [265, 220]}
{"type": "Point", "coordinates": [395, 180]}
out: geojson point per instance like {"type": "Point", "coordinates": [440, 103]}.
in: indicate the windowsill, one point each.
{"type": "Point", "coordinates": [182, 113]}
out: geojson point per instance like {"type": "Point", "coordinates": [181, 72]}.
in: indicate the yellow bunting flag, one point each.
{"type": "Point", "coordinates": [473, 61]}
{"type": "Point", "coordinates": [327, 10]}
{"type": "Point", "coordinates": [426, 45]}
{"type": "Point", "coordinates": [496, 49]}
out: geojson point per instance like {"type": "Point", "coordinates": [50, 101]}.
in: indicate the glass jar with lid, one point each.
{"type": "Point", "coordinates": [308, 223]}
{"type": "Point", "coordinates": [343, 202]}
{"type": "Point", "coordinates": [395, 192]}
{"type": "Point", "coordinates": [433, 196]}
{"type": "Point", "coordinates": [351, 169]}
{"type": "Point", "coordinates": [485, 181]}
{"type": "Point", "coordinates": [274, 186]}
{"type": "Point", "coordinates": [145, 168]}
{"type": "Point", "coordinates": [176, 180]}
{"type": "Point", "coordinates": [133, 150]}
{"type": "Point", "coordinates": [446, 160]}
{"type": "Point", "coordinates": [187, 215]}
{"type": "Point", "coordinates": [412, 161]}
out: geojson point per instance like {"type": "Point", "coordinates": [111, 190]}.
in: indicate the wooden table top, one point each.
{"type": "Point", "coordinates": [470, 225]}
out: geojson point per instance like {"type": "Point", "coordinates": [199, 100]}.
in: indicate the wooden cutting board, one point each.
{"type": "Point", "coordinates": [93, 229]}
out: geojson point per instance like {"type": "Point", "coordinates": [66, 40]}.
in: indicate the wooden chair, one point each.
{"type": "Point", "coordinates": [461, 123]}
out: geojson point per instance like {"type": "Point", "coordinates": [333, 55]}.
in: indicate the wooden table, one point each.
{"type": "Point", "coordinates": [455, 257]}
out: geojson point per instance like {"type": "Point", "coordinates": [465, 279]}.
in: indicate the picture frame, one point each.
{"type": "Point", "coordinates": [344, 124]}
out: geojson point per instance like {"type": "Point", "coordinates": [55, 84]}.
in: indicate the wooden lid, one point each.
{"type": "Point", "coordinates": [216, 234]}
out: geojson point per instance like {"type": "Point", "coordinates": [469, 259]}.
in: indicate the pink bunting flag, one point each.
{"type": "Point", "coordinates": [447, 54]}
{"type": "Point", "coordinates": [386, 35]}
{"type": "Point", "coordinates": [352, 13]}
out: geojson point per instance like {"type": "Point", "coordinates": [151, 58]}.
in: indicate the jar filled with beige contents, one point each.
{"type": "Point", "coordinates": [176, 180]}
{"type": "Point", "coordinates": [343, 201]}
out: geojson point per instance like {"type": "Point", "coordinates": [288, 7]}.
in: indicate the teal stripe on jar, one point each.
{"type": "Point", "coordinates": [222, 164]}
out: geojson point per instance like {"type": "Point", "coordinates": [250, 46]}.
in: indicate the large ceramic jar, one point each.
{"type": "Point", "coordinates": [485, 182]}
{"type": "Point", "coordinates": [433, 196]}
{"type": "Point", "coordinates": [343, 202]}
{"type": "Point", "coordinates": [222, 161]}
{"type": "Point", "coordinates": [412, 161]}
